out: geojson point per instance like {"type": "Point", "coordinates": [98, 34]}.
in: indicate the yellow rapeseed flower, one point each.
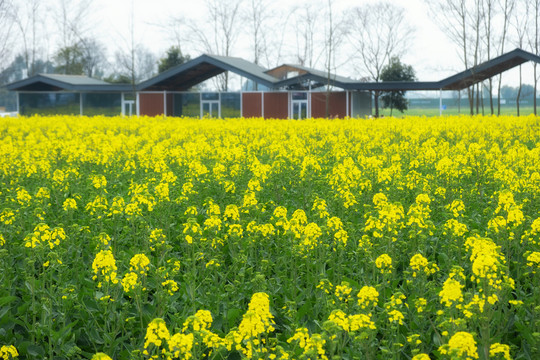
{"type": "Point", "coordinates": [101, 356]}
{"type": "Point", "coordinates": [460, 346]}
{"type": "Point", "coordinates": [502, 349]}
{"type": "Point", "coordinates": [384, 264]}
{"type": "Point", "coordinates": [368, 296]}
{"type": "Point", "coordinates": [8, 352]}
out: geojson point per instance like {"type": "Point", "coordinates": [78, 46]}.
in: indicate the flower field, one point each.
{"type": "Point", "coordinates": [137, 238]}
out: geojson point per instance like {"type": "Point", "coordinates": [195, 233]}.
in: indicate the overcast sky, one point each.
{"type": "Point", "coordinates": [432, 54]}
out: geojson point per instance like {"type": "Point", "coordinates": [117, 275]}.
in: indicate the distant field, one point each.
{"type": "Point", "coordinates": [511, 111]}
{"type": "Point", "coordinates": [162, 238]}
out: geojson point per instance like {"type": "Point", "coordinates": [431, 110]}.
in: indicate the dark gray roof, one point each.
{"type": "Point", "coordinates": [185, 76]}
{"type": "Point", "coordinates": [320, 78]}
{"type": "Point", "coordinates": [204, 67]}
{"type": "Point", "coordinates": [58, 82]}
{"type": "Point", "coordinates": [487, 69]}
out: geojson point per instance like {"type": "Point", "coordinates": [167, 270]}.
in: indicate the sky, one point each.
{"type": "Point", "coordinates": [431, 53]}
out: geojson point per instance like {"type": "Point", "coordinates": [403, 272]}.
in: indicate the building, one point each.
{"type": "Point", "coordinates": [287, 91]}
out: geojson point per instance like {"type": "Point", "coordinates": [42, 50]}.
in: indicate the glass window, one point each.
{"type": "Point", "coordinates": [187, 104]}
{"type": "Point", "coordinates": [108, 104]}
{"type": "Point", "coordinates": [230, 105]}
{"type": "Point", "coordinates": [210, 96]}
{"type": "Point", "coordinates": [49, 103]}
{"type": "Point", "coordinates": [299, 95]}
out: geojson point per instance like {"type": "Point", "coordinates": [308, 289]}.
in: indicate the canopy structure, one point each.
{"type": "Point", "coordinates": [58, 82]}
{"type": "Point", "coordinates": [290, 76]}
{"type": "Point", "coordinates": [289, 90]}
{"type": "Point", "coordinates": [286, 76]}
{"type": "Point", "coordinates": [185, 76]}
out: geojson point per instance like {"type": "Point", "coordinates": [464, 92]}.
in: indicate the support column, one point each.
{"type": "Point", "coordinates": [80, 104]}
{"type": "Point", "coordinates": [164, 103]}
{"type": "Point", "coordinates": [347, 112]}
{"type": "Point", "coordinates": [262, 104]}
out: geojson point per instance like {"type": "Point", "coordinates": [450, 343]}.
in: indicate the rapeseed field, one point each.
{"type": "Point", "coordinates": [177, 238]}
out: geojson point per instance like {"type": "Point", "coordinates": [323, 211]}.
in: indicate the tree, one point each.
{"type": "Point", "coordinates": [7, 33]}
{"type": "Point", "coordinates": [93, 56]}
{"type": "Point", "coordinates": [377, 32]}
{"type": "Point", "coordinates": [217, 35]}
{"type": "Point", "coordinates": [457, 19]}
{"type": "Point", "coordinates": [533, 10]}
{"type": "Point", "coordinates": [173, 58]}
{"type": "Point", "coordinates": [69, 60]}
{"type": "Point", "coordinates": [396, 71]}
{"type": "Point", "coordinates": [256, 16]}
{"type": "Point", "coordinates": [28, 21]}
{"type": "Point", "coordinates": [138, 64]}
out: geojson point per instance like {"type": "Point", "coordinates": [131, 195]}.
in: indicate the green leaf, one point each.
{"type": "Point", "coordinates": [7, 299]}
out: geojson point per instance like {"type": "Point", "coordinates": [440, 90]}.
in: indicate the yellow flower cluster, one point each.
{"type": "Point", "coordinates": [384, 264]}
{"type": "Point", "coordinates": [104, 266]}
{"type": "Point", "coordinates": [43, 234]}
{"type": "Point", "coordinates": [157, 239]}
{"type": "Point", "coordinates": [8, 352]}
{"type": "Point", "coordinates": [130, 281]}
{"type": "Point", "coordinates": [387, 219]}
{"type": "Point", "coordinates": [101, 356]}
{"type": "Point", "coordinates": [258, 319]}
{"type": "Point", "coordinates": [451, 292]}
{"type": "Point", "coordinates": [368, 297]}
{"type": "Point", "coordinates": [502, 349]}
{"type": "Point", "coordinates": [156, 334]}
{"type": "Point", "coordinates": [343, 292]}
{"type": "Point", "coordinates": [351, 323]}
{"type": "Point", "coordinates": [139, 263]}
{"type": "Point", "coordinates": [312, 346]}
{"type": "Point", "coordinates": [460, 346]}
{"type": "Point", "coordinates": [420, 264]}
{"type": "Point", "coordinates": [488, 264]}
{"type": "Point", "coordinates": [533, 261]}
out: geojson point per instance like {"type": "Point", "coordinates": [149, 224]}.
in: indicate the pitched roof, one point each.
{"type": "Point", "coordinates": [305, 73]}
{"type": "Point", "coordinates": [58, 82]}
{"type": "Point", "coordinates": [191, 73]}
{"type": "Point", "coordinates": [487, 69]}
{"type": "Point", "coordinates": [204, 67]}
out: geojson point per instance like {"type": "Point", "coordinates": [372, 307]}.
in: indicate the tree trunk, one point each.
{"type": "Point", "coordinates": [519, 92]}
{"type": "Point", "coordinates": [535, 89]}
{"type": "Point", "coordinates": [491, 95]}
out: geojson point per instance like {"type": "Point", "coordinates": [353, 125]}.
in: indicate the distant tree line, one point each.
{"type": "Point", "coordinates": [484, 29]}
{"type": "Point", "coordinates": [361, 40]}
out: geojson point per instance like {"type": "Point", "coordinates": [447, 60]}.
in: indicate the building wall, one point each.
{"type": "Point", "coordinates": [151, 104]}
{"type": "Point", "coordinates": [276, 105]}
{"type": "Point", "coordinates": [361, 104]}
{"type": "Point", "coordinates": [251, 104]}
{"type": "Point", "coordinates": [337, 105]}
{"type": "Point", "coordinates": [256, 104]}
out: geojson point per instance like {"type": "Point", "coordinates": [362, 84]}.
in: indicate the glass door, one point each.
{"type": "Point", "coordinates": [299, 108]}
{"type": "Point", "coordinates": [299, 105]}
{"type": "Point", "coordinates": [210, 108]}
{"type": "Point", "coordinates": [210, 105]}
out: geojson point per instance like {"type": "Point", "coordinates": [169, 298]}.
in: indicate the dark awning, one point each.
{"type": "Point", "coordinates": [56, 82]}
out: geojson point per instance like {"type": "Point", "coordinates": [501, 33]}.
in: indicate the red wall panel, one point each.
{"type": "Point", "coordinates": [337, 106]}
{"type": "Point", "coordinates": [251, 105]}
{"type": "Point", "coordinates": [276, 105]}
{"type": "Point", "coordinates": [151, 104]}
